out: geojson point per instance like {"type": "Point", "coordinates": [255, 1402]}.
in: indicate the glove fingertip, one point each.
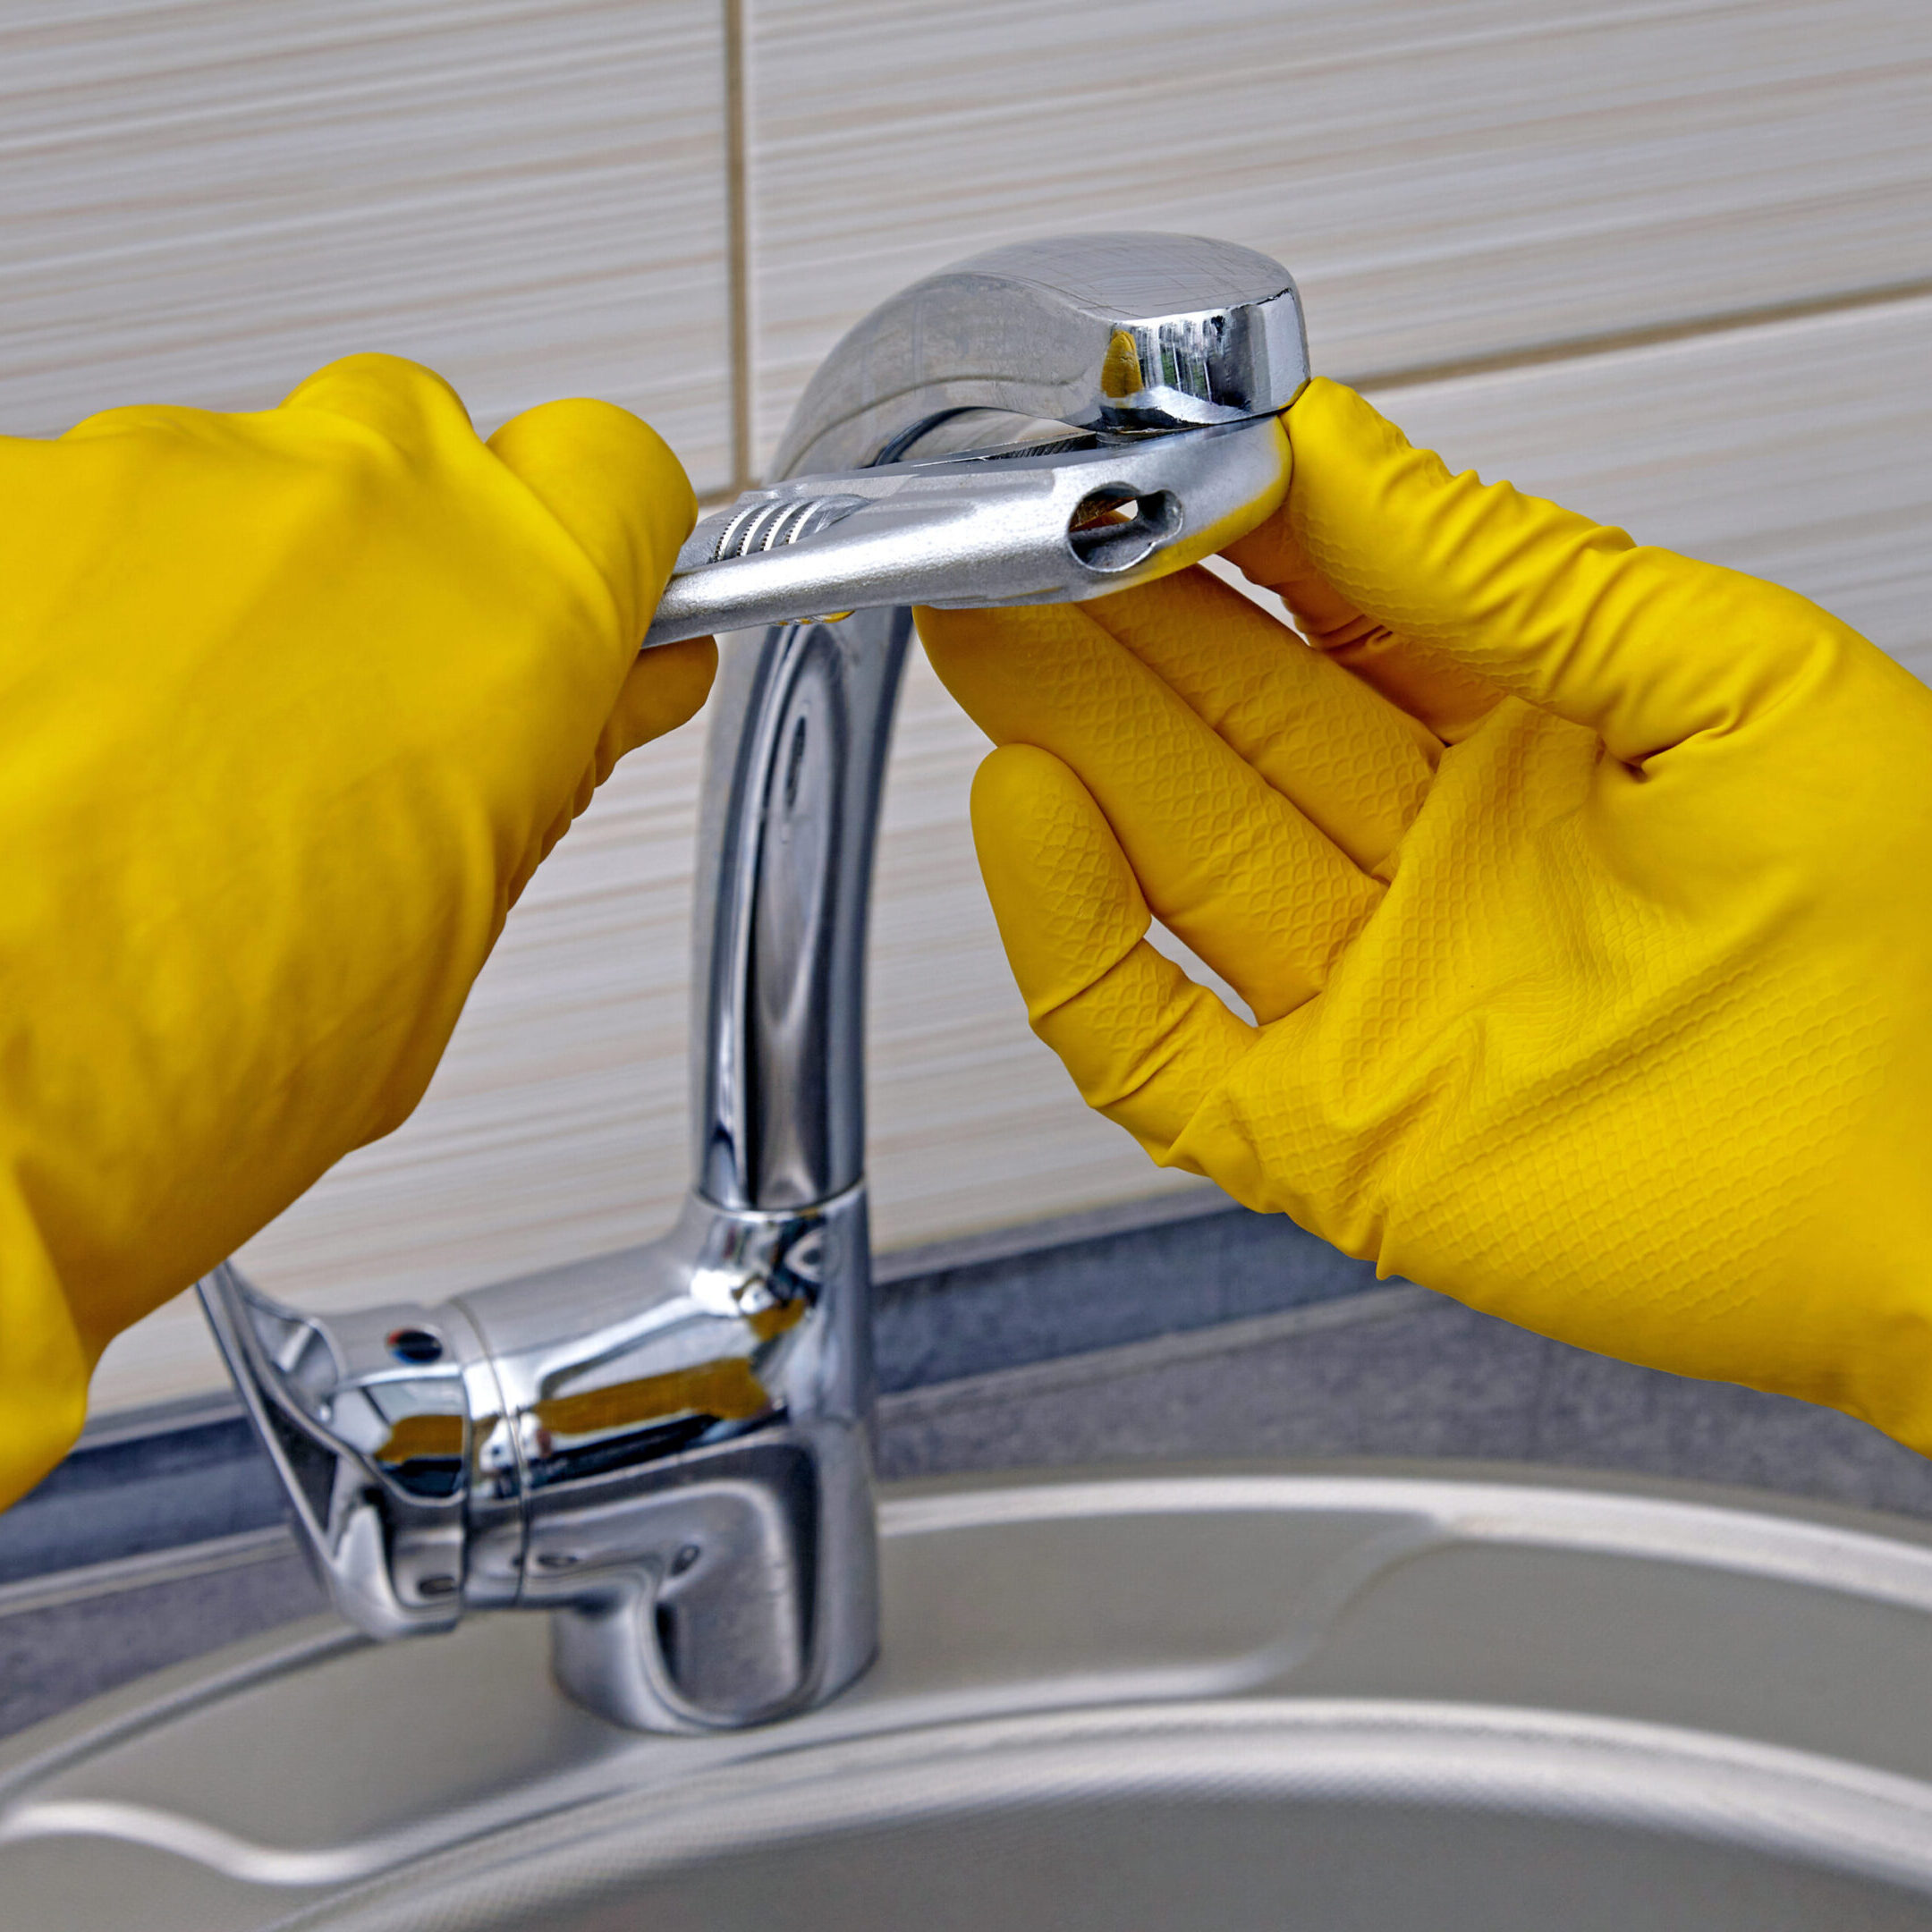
{"type": "Point", "coordinates": [944, 633]}
{"type": "Point", "coordinates": [1143, 1043]}
{"type": "Point", "coordinates": [1335, 429]}
{"type": "Point", "coordinates": [679, 676]}
{"type": "Point", "coordinates": [614, 486]}
{"type": "Point", "coordinates": [663, 689]}
{"type": "Point", "coordinates": [1064, 896]}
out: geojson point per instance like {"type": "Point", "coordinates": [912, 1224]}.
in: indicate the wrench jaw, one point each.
{"type": "Point", "coordinates": [983, 527]}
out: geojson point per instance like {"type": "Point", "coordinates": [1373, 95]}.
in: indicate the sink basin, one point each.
{"type": "Point", "coordinates": [1370, 1697]}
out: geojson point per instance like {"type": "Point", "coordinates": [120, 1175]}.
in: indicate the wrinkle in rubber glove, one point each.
{"type": "Point", "coordinates": [1225, 861]}
{"type": "Point", "coordinates": [1633, 1045]}
{"type": "Point", "coordinates": [291, 705]}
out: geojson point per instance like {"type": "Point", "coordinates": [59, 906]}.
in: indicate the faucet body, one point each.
{"type": "Point", "coordinates": [670, 1449]}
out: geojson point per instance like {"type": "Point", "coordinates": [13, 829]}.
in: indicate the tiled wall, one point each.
{"type": "Point", "coordinates": [204, 199]}
{"type": "Point", "coordinates": [1670, 262]}
{"type": "Point", "coordinates": [1448, 179]}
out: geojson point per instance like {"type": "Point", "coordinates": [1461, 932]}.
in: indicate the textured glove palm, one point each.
{"type": "Point", "coordinates": [1578, 891]}
{"type": "Point", "coordinates": [291, 705]}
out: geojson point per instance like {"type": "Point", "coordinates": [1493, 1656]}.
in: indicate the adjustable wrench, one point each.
{"type": "Point", "coordinates": [1048, 523]}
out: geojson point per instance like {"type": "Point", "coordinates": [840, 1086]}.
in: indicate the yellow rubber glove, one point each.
{"type": "Point", "coordinates": [291, 705]}
{"type": "Point", "coordinates": [1582, 894]}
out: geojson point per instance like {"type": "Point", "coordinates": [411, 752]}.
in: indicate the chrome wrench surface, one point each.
{"type": "Point", "coordinates": [1043, 524]}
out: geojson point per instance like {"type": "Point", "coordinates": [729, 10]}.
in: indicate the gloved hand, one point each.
{"type": "Point", "coordinates": [1582, 895]}
{"type": "Point", "coordinates": [291, 705]}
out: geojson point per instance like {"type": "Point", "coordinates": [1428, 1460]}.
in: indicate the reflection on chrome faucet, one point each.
{"type": "Point", "coordinates": [670, 1449]}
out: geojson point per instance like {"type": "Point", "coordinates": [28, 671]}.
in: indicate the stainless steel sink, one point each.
{"type": "Point", "coordinates": [1255, 1698]}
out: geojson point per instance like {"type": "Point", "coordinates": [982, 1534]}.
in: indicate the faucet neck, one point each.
{"type": "Point", "coordinates": [800, 723]}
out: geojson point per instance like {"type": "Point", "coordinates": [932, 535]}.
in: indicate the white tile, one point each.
{"type": "Point", "coordinates": [556, 1126]}
{"type": "Point", "coordinates": [1445, 178]}
{"type": "Point", "coordinates": [201, 202]}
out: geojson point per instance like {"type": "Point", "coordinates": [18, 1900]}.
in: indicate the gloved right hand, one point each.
{"type": "Point", "coordinates": [1581, 893]}
{"type": "Point", "coordinates": [290, 706]}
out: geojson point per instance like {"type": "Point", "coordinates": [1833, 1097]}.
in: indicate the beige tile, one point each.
{"type": "Point", "coordinates": [555, 1128]}
{"type": "Point", "coordinates": [200, 202]}
{"type": "Point", "coordinates": [1445, 178]}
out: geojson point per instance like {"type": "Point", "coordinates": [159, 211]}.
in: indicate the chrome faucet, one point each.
{"type": "Point", "coordinates": [670, 1448]}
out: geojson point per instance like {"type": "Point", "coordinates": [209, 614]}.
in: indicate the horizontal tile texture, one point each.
{"type": "Point", "coordinates": [1445, 178]}
{"type": "Point", "coordinates": [201, 201]}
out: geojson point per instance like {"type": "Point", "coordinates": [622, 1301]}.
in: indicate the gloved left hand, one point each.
{"type": "Point", "coordinates": [290, 706]}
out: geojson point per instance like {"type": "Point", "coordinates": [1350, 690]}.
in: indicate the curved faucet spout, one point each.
{"type": "Point", "coordinates": [671, 1448]}
{"type": "Point", "coordinates": [801, 720]}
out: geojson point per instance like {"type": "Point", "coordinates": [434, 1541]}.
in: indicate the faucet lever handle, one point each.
{"type": "Point", "coordinates": [367, 1421]}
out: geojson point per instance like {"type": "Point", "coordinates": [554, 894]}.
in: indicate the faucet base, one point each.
{"type": "Point", "coordinates": [721, 1621]}
{"type": "Point", "coordinates": [671, 1450]}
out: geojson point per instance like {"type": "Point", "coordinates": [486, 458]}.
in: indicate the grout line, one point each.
{"type": "Point", "coordinates": [738, 244]}
{"type": "Point", "coordinates": [1501, 361]}
{"type": "Point", "coordinates": [1575, 348]}
{"type": "Point", "coordinates": [1032, 1380]}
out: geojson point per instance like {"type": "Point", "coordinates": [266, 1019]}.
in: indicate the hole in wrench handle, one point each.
{"type": "Point", "coordinates": [1112, 529]}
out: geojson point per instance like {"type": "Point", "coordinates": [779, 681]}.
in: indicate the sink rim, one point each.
{"type": "Point", "coordinates": [1734, 1793]}
{"type": "Point", "coordinates": [1427, 1505]}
